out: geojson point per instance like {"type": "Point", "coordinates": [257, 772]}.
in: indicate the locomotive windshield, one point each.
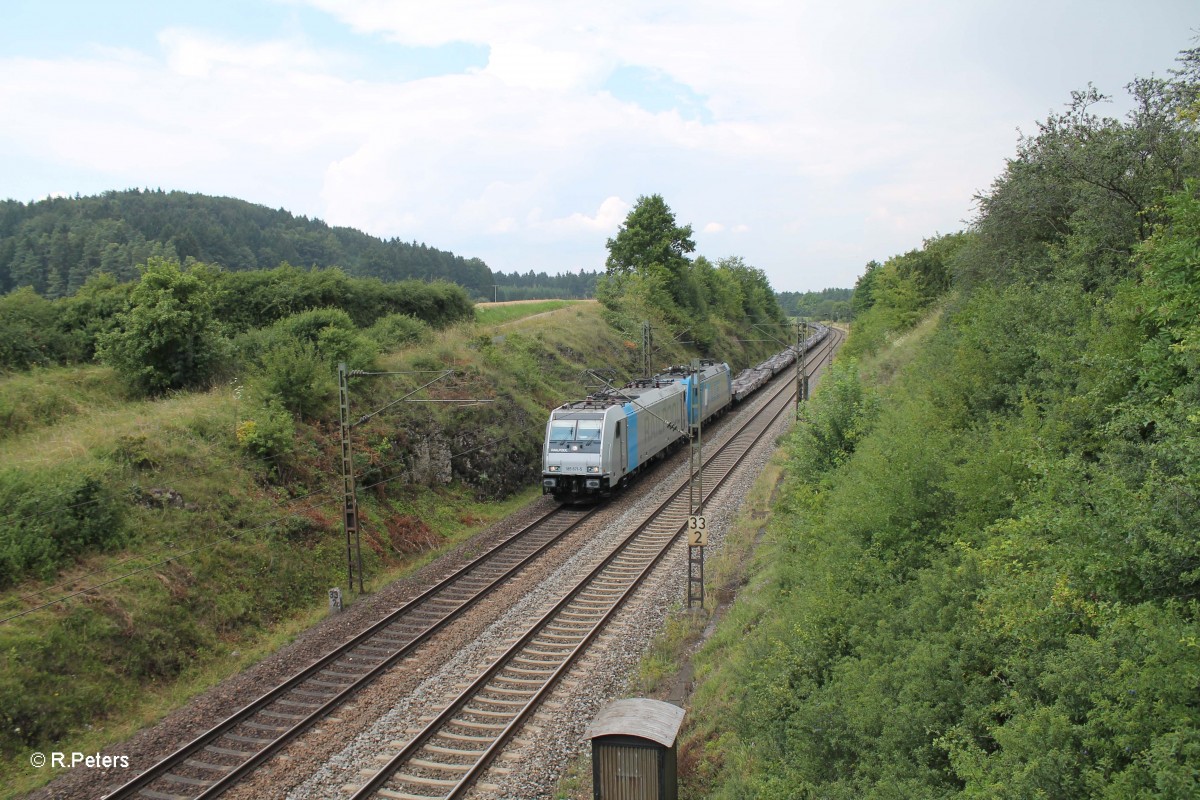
{"type": "Point", "coordinates": [589, 430]}
{"type": "Point", "coordinates": [562, 430]}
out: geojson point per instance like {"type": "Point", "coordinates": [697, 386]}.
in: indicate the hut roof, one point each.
{"type": "Point", "coordinates": [641, 717]}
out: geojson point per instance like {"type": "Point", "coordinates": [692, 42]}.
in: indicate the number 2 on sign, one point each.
{"type": "Point", "coordinates": [697, 530]}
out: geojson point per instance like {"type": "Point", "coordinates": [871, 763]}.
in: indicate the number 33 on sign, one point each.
{"type": "Point", "coordinates": [697, 530]}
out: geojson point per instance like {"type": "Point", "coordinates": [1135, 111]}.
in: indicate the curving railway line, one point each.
{"type": "Point", "coordinates": [453, 749]}
{"type": "Point", "coordinates": [219, 758]}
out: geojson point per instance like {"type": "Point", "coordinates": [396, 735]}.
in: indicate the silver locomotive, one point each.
{"type": "Point", "coordinates": [595, 445]}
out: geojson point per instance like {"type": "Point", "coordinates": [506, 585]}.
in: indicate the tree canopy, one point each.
{"type": "Point", "coordinates": [650, 236]}
{"type": "Point", "coordinates": [649, 274]}
{"type": "Point", "coordinates": [55, 245]}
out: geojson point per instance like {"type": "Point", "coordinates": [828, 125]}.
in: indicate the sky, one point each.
{"type": "Point", "coordinates": [807, 138]}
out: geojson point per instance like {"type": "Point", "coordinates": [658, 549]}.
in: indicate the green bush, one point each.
{"type": "Point", "coordinates": [295, 360]}
{"type": "Point", "coordinates": [91, 313]}
{"type": "Point", "coordinates": [331, 332]}
{"type": "Point", "coordinates": [270, 431]}
{"type": "Point", "coordinates": [261, 298]}
{"type": "Point", "coordinates": [337, 345]}
{"type": "Point", "coordinates": [169, 337]}
{"type": "Point", "coordinates": [833, 422]}
{"type": "Point", "coordinates": [294, 373]}
{"type": "Point", "coordinates": [51, 517]}
{"type": "Point", "coordinates": [307, 325]}
{"type": "Point", "coordinates": [397, 330]}
{"type": "Point", "coordinates": [29, 331]}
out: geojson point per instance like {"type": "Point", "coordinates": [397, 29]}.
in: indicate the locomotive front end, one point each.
{"type": "Point", "coordinates": [571, 458]}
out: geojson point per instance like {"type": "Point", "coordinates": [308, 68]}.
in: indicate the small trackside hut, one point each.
{"type": "Point", "coordinates": [633, 750]}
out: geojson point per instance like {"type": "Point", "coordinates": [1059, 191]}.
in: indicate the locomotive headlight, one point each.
{"type": "Point", "coordinates": [554, 468]}
{"type": "Point", "coordinates": [593, 469]}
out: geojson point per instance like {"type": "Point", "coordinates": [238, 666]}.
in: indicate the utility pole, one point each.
{"type": "Point", "coordinates": [801, 364]}
{"type": "Point", "coordinates": [697, 525]}
{"type": "Point", "coordinates": [647, 342]}
{"type": "Point", "coordinates": [804, 356]}
{"type": "Point", "coordinates": [349, 492]}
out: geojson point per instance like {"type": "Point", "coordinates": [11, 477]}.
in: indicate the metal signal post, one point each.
{"type": "Point", "coordinates": [697, 526]}
{"type": "Point", "coordinates": [801, 364]}
{"type": "Point", "coordinates": [647, 343]}
{"type": "Point", "coordinates": [349, 494]}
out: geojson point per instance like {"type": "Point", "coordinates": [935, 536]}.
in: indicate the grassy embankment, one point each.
{"type": "Point", "coordinates": [254, 543]}
{"type": "Point", "coordinates": [758, 565]}
{"type": "Point", "coordinates": [499, 313]}
{"type": "Point", "coordinates": [980, 577]}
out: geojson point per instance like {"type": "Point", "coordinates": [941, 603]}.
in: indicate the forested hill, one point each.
{"type": "Point", "coordinates": [55, 244]}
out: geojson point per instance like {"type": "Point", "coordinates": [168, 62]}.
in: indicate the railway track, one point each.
{"type": "Point", "coordinates": [453, 750]}
{"type": "Point", "coordinates": [217, 759]}
{"type": "Point", "coordinates": [213, 762]}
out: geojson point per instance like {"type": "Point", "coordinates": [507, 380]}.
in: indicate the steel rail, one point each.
{"type": "Point", "coordinates": [230, 774]}
{"type": "Point", "coordinates": [672, 522]}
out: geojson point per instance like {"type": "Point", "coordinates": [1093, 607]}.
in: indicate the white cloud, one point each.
{"type": "Point", "coordinates": [608, 218]}
{"type": "Point", "coordinates": [196, 56]}
{"type": "Point", "coordinates": [862, 121]}
{"type": "Point", "coordinates": [525, 65]}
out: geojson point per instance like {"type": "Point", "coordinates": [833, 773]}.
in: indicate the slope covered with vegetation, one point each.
{"type": "Point", "coordinates": [151, 546]}
{"type": "Point", "coordinates": [983, 575]}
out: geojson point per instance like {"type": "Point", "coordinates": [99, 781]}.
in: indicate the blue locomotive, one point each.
{"type": "Point", "coordinates": [595, 445]}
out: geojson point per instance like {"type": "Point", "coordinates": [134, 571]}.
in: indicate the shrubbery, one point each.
{"type": "Point", "coordinates": [295, 375]}
{"type": "Point", "coordinates": [169, 337]}
{"type": "Point", "coordinates": [50, 517]}
{"type": "Point", "coordinates": [397, 330]}
{"type": "Point", "coordinates": [996, 591]}
{"type": "Point", "coordinates": [164, 331]}
{"type": "Point", "coordinates": [269, 431]}
{"type": "Point", "coordinates": [833, 423]}
{"type": "Point", "coordinates": [29, 331]}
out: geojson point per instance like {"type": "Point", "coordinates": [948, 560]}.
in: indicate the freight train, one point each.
{"type": "Point", "coordinates": [596, 445]}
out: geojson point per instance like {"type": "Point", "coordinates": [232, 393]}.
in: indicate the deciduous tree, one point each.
{"type": "Point", "coordinates": [169, 337]}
